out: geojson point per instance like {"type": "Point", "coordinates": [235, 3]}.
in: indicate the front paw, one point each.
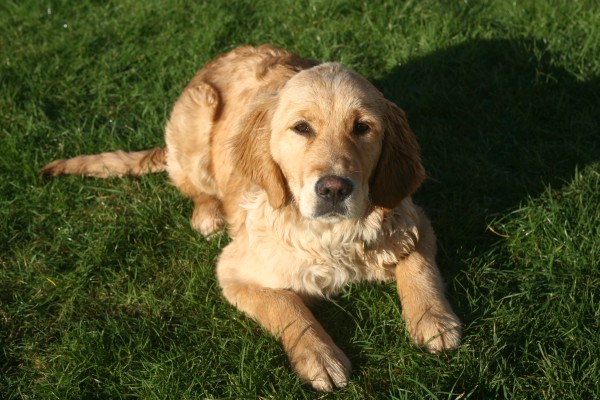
{"type": "Point", "coordinates": [324, 366]}
{"type": "Point", "coordinates": [435, 330]}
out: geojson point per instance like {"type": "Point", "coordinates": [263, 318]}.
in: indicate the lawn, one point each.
{"type": "Point", "coordinates": [106, 291]}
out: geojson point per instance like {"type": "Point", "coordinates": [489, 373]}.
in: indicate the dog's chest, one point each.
{"type": "Point", "coordinates": [327, 271]}
{"type": "Point", "coordinates": [321, 259]}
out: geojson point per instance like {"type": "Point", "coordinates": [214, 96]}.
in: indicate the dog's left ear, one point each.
{"type": "Point", "coordinates": [399, 172]}
{"type": "Point", "coordinates": [252, 155]}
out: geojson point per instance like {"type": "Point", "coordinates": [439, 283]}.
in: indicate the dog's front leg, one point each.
{"type": "Point", "coordinates": [311, 351]}
{"type": "Point", "coordinates": [425, 309]}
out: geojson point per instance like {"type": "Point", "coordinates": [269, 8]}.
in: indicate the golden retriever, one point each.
{"type": "Point", "coordinates": [312, 171]}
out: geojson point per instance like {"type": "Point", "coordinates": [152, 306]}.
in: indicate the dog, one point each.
{"type": "Point", "coordinates": [311, 170]}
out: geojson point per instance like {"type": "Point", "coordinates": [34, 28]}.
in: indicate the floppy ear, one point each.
{"type": "Point", "coordinates": [399, 171]}
{"type": "Point", "coordinates": [252, 155]}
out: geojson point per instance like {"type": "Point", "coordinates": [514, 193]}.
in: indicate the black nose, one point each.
{"type": "Point", "coordinates": [334, 188]}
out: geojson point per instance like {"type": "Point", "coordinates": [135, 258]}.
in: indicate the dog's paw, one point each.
{"type": "Point", "coordinates": [323, 366]}
{"type": "Point", "coordinates": [207, 218]}
{"type": "Point", "coordinates": [435, 331]}
{"type": "Point", "coordinates": [207, 226]}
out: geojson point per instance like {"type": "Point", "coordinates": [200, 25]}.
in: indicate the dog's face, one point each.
{"type": "Point", "coordinates": [326, 136]}
{"type": "Point", "coordinates": [329, 143]}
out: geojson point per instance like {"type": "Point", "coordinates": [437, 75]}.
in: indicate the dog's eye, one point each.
{"type": "Point", "coordinates": [302, 128]}
{"type": "Point", "coordinates": [361, 128]}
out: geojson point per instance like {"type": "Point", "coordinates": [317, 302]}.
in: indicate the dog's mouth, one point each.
{"type": "Point", "coordinates": [331, 212]}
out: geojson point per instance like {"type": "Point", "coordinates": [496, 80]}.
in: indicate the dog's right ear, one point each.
{"type": "Point", "coordinates": [399, 171]}
{"type": "Point", "coordinates": [252, 155]}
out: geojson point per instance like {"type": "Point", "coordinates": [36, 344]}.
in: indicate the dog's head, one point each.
{"type": "Point", "coordinates": [331, 144]}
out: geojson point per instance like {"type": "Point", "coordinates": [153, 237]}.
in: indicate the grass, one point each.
{"type": "Point", "coordinates": [106, 292]}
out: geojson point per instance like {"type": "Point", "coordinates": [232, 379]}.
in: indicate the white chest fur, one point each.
{"type": "Point", "coordinates": [319, 258]}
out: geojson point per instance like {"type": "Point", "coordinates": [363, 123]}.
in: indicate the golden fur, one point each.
{"type": "Point", "coordinates": [312, 170]}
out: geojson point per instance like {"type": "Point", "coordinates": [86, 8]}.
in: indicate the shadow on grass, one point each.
{"type": "Point", "coordinates": [497, 122]}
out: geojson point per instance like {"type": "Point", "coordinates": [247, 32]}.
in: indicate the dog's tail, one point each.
{"type": "Point", "coordinates": [105, 165]}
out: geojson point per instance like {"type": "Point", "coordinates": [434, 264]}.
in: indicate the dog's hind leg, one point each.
{"type": "Point", "coordinates": [188, 137]}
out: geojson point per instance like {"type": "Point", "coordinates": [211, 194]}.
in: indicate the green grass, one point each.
{"type": "Point", "coordinates": [106, 292]}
